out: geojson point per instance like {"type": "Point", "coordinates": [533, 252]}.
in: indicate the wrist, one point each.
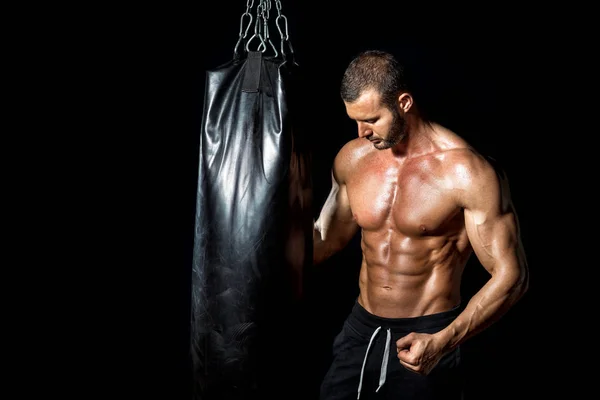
{"type": "Point", "coordinates": [448, 338]}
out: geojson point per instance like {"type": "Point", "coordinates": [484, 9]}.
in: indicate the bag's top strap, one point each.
{"type": "Point", "coordinates": [251, 81]}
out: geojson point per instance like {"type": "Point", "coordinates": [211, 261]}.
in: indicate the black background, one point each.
{"type": "Point", "coordinates": [484, 71]}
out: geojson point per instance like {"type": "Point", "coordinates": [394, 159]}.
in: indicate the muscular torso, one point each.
{"type": "Point", "coordinates": [414, 240]}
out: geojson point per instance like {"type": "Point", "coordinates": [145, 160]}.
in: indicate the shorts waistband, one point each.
{"type": "Point", "coordinates": [431, 321]}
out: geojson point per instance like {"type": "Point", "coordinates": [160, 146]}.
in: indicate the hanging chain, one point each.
{"type": "Point", "coordinates": [257, 29]}
{"type": "Point", "coordinates": [261, 27]}
{"type": "Point", "coordinates": [266, 8]}
{"type": "Point", "coordinates": [284, 38]}
{"type": "Point", "coordinates": [241, 36]}
{"type": "Point", "coordinates": [262, 31]}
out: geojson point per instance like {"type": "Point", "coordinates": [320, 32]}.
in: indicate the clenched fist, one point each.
{"type": "Point", "coordinates": [419, 352]}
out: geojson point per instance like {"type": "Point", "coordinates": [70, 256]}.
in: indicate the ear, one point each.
{"type": "Point", "coordinates": [405, 102]}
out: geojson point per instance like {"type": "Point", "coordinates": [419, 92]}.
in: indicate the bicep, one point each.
{"type": "Point", "coordinates": [335, 217]}
{"type": "Point", "coordinates": [493, 236]}
{"type": "Point", "coordinates": [491, 222]}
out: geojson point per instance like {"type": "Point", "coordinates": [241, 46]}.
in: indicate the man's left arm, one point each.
{"type": "Point", "coordinates": [493, 229]}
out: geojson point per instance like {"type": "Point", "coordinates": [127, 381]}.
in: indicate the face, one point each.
{"type": "Point", "coordinates": [384, 127]}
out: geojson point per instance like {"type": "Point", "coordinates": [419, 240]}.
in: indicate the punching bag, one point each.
{"type": "Point", "coordinates": [253, 228]}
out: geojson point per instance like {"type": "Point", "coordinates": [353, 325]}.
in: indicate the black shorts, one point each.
{"type": "Point", "coordinates": [350, 346]}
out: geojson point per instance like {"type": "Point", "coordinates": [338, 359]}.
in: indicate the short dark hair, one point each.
{"type": "Point", "coordinates": [374, 69]}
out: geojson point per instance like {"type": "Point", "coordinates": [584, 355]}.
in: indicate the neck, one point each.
{"type": "Point", "coordinates": [418, 137]}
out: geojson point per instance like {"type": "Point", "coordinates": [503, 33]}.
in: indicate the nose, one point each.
{"type": "Point", "coordinates": [364, 131]}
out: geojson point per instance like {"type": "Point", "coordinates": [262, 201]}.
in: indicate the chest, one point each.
{"type": "Point", "coordinates": [410, 199]}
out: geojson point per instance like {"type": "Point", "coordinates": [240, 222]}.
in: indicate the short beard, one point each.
{"type": "Point", "coordinates": [396, 134]}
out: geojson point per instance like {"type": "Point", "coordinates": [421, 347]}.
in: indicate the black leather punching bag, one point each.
{"type": "Point", "coordinates": [253, 232]}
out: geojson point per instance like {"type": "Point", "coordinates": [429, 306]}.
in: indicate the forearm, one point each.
{"type": "Point", "coordinates": [322, 249]}
{"type": "Point", "coordinates": [490, 303]}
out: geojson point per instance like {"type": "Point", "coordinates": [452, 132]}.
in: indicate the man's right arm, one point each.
{"type": "Point", "coordinates": [335, 226]}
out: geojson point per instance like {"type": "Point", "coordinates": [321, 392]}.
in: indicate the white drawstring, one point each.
{"type": "Point", "coordinates": [386, 354]}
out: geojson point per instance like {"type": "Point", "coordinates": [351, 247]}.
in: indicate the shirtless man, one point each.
{"type": "Point", "coordinates": [424, 200]}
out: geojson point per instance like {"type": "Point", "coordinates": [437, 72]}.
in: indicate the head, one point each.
{"type": "Point", "coordinates": [376, 96]}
